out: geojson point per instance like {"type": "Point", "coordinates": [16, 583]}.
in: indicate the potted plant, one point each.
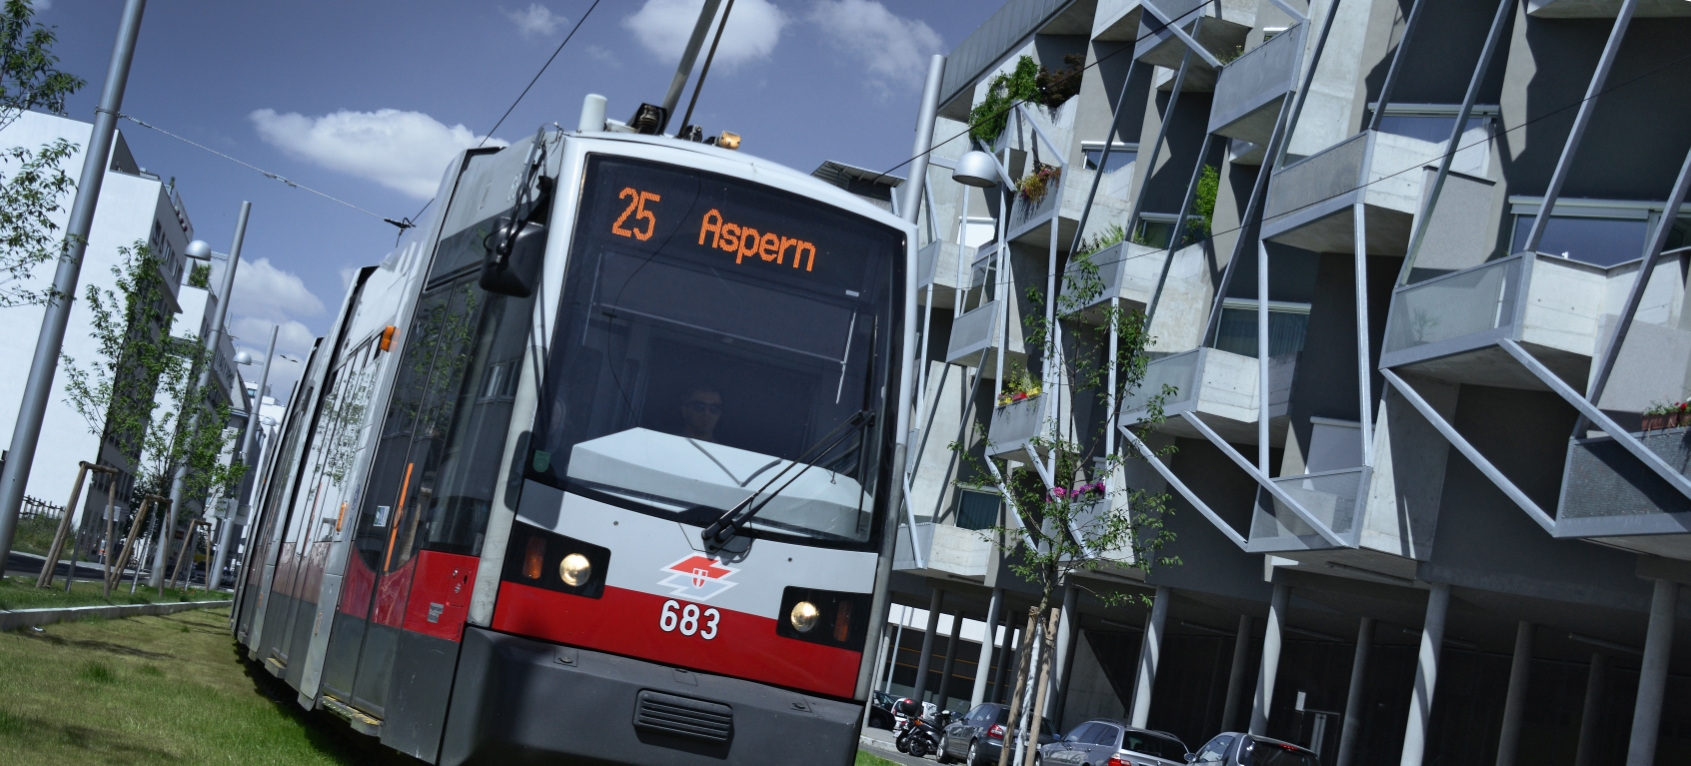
{"type": "Point", "coordinates": [1034, 186]}
{"type": "Point", "coordinates": [1662, 416]}
{"type": "Point", "coordinates": [1018, 386]}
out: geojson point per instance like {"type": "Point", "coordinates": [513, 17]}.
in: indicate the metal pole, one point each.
{"type": "Point", "coordinates": [247, 437]}
{"type": "Point", "coordinates": [1350, 732]}
{"type": "Point", "coordinates": [1426, 676]}
{"type": "Point", "coordinates": [1582, 119]}
{"type": "Point", "coordinates": [983, 666]}
{"type": "Point", "coordinates": [1270, 658]}
{"type": "Point", "coordinates": [935, 601]}
{"type": "Point", "coordinates": [1236, 674]}
{"type": "Point", "coordinates": [944, 693]}
{"type": "Point", "coordinates": [688, 57]}
{"type": "Point", "coordinates": [1653, 675]}
{"type": "Point", "coordinates": [1262, 358]}
{"type": "Point", "coordinates": [1586, 751]}
{"type": "Point", "coordinates": [1515, 704]}
{"type": "Point", "coordinates": [213, 340]}
{"type": "Point", "coordinates": [1156, 146]}
{"type": "Point", "coordinates": [1150, 651]}
{"type": "Point", "coordinates": [1397, 59]}
{"type": "Point", "coordinates": [912, 207]}
{"type": "Point", "coordinates": [38, 387]}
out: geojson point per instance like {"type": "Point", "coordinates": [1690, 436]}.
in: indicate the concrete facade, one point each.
{"type": "Point", "coordinates": [1448, 449]}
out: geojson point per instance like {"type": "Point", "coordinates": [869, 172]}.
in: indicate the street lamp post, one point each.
{"type": "Point", "coordinates": [246, 451]}
{"type": "Point", "coordinates": [214, 339]}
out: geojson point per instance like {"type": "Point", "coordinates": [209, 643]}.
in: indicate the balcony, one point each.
{"type": "Point", "coordinates": [1030, 222]}
{"type": "Point", "coordinates": [1309, 200]}
{"type": "Point", "coordinates": [945, 267]}
{"type": "Point", "coordinates": [1609, 493]}
{"type": "Point", "coordinates": [946, 550]}
{"type": "Point", "coordinates": [1225, 24]}
{"type": "Point", "coordinates": [1127, 273]}
{"type": "Point", "coordinates": [1448, 327]}
{"type": "Point", "coordinates": [1249, 90]}
{"type": "Point", "coordinates": [1334, 498]}
{"type": "Point", "coordinates": [1008, 28]}
{"type": "Point", "coordinates": [1604, 9]}
{"type": "Point", "coordinates": [1219, 388]}
{"type": "Point", "coordinates": [1015, 427]}
{"type": "Point", "coordinates": [982, 330]}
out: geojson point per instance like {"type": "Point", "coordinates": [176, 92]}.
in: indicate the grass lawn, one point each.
{"type": "Point", "coordinates": [34, 535]}
{"type": "Point", "coordinates": [158, 690]}
{"type": "Point", "coordinates": [866, 758]}
{"type": "Point", "coordinates": [21, 593]}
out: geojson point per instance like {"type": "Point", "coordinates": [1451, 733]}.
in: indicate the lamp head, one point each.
{"type": "Point", "coordinates": [199, 250]}
{"type": "Point", "coordinates": [977, 169]}
{"type": "Point", "coordinates": [242, 357]}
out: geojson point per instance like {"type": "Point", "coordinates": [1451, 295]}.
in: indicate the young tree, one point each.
{"type": "Point", "coordinates": [33, 184]}
{"type": "Point", "coordinates": [1069, 513]}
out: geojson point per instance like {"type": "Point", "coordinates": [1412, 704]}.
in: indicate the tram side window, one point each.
{"type": "Point", "coordinates": [437, 461]}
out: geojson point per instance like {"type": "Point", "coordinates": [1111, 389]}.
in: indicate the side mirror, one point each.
{"type": "Point", "coordinates": [1191, 757]}
{"type": "Point", "coordinates": [511, 264]}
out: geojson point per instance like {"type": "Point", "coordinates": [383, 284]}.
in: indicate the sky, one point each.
{"type": "Point", "coordinates": [368, 101]}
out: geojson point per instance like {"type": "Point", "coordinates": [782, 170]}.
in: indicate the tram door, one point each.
{"type": "Point", "coordinates": [425, 512]}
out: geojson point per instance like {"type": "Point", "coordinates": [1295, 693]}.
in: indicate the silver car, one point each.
{"type": "Point", "coordinates": [1235, 749]}
{"type": "Point", "coordinates": [1110, 742]}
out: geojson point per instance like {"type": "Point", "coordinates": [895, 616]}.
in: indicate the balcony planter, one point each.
{"type": "Point", "coordinates": [1015, 424]}
{"type": "Point", "coordinates": [1664, 421]}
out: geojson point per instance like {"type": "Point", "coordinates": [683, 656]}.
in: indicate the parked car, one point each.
{"type": "Point", "coordinates": [1235, 749]}
{"type": "Point", "coordinates": [880, 710]}
{"type": "Point", "coordinates": [1110, 742]}
{"type": "Point", "coordinates": [978, 737]}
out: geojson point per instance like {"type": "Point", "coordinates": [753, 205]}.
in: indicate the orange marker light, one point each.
{"type": "Point", "coordinates": [842, 622]}
{"type": "Point", "coordinates": [387, 338]}
{"type": "Point", "coordinates": [533, 557]}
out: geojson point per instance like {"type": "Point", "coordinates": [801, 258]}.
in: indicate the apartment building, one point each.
{"type": "Point", "coordinates": [1415, 272]}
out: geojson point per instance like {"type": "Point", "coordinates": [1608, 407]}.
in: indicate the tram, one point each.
{"type": "Point", "coordinates": [597, 465]}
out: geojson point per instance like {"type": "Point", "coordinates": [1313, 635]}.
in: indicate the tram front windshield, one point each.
{"type": "Point", "coordinates": [715, 339]}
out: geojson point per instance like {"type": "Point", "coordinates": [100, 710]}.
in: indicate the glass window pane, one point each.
{"type": "Point", "coordinates": [1153, 233]}
{"type": "Point", "coordinates": [977, 510]}
{"type": "Point", "coordinates": [1120, 157]}
{"type": "Point", "coordinates": [1154, 746]}
{"type": "Point", "coordinates": [1081, 733]}
{"type": "Point", "coordinates": [1426, 127]}
{"type": "Point", "coordinates": [1105, 735]}
{"type": "Point", "coordinates": [1238, 331]}
{"type": "Point", "coordinates": [1598, 241]}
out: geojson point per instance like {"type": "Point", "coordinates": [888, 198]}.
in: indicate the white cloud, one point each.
{"type": "Point", "coordinates": [266, 292]}
{"type": "Point", "coordinates": [893, 50]}
{"type": "Point", "coordinates": [42, 5]}
{"type": "Point", "coordinates": [293, 339]}
{"type": "Point", "coordinates": [404, 151]}
{"type": "Point", "coordinates": [536, 19]}
{"type": "Point", "coordinates": [663, 26]}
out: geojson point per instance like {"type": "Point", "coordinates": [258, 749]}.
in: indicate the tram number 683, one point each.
{"type": "Point", "coordinates": [687, 619]}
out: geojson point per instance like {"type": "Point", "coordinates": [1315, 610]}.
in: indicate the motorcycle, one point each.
{"type": "Point", "coordinates": [921, 735]}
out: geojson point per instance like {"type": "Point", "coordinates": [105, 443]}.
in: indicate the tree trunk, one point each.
{"type": "Point", "coordinates": [1016, 695]}
{"type": "Point", "coordinates": [1047, 643]}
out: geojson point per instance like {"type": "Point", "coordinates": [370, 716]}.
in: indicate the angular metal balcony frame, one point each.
{"type": "Point", "coordinates": [1027, 219]}
{"type": "Point", "coordinates": [1127, 273]}
{"type": "Point", "coordinates": [1249, 89]}
{"type": "Point", "coordinates": [938, 265]}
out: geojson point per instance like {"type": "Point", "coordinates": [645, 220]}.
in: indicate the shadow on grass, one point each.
{"type": "Point", "coordinates": [98, 646]}
{"type": "Point", "coordinates": [31, 733]}
{"type": "Point", "coordinates": [327, 735]}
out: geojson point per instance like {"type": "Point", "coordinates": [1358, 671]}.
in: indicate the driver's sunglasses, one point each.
{"type": "Point", "coordinates": [714, 409]}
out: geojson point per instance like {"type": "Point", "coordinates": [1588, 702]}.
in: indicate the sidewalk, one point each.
{"type": "Point", "coordinates": [880, 742]}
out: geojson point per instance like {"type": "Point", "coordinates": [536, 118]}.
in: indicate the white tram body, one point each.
{"type": "Point", "coordinates": [508, 517]}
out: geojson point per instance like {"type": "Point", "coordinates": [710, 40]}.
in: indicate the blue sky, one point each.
{"type": "Point", "coordinates": [366, 101]}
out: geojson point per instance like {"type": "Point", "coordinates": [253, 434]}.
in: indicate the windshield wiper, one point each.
{"type": "Point", "coordinates": [729, 524]}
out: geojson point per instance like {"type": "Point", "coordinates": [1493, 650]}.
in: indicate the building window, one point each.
{"type": "Point", "coordinates": [1598, 232]}
{"type": "Point", "coordinates": [1121, 155]}
{"type": "Point", "coordinates": [977, 510]}
{"type": "Point", "coordinates": [1287, 324]}
{"type": "Point", "coordinates": [1154, 229]}
{"type": "Point", "coordinates": [1430, 122]}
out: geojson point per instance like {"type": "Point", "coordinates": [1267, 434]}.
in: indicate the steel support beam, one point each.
{"type": "Point", "coordinates": [1263, 480]}
{"type": "Point", "coordinates": [1186, 492]}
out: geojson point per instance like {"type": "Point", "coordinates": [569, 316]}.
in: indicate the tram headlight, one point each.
{"type": "Point", "coordinates": [575, 570]}
{"type": "Point", "coordinates": [804, 616]}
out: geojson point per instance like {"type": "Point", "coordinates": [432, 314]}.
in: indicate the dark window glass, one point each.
{"type": "Point", "coordinates": [437, 463]}
{"type": "Point", "coordinates": [1105, 735]}
{"type": "Point", "coordinates": [1598, 241]}
{"type": "Point", "coordinates": [1082, 734]}
{"type": "Point", "coordinates": [1216, 750]}
{"type": "Point", "coordinates": [1153, 745]}
{"type": "Point", "coordinates": [711, 334]}
{"type": "Point", "coordinates": [1153, 233]}
{"type": "Point", "coordinates": [1119, 158]}
{"type": "Point", "coordinates": [1255, 753]}
{"type": "Point", "coordinates": [1427, 127]}
{"type": "Point", "coordinates": [977, 510]}
{"type": "Point", "coordinates": [1238, 331]}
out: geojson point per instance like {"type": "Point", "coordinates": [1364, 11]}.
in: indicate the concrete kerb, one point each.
{"type": "Point", "coordinates": [22, 618]}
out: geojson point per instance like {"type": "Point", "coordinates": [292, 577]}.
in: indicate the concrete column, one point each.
{"type": "Point", "coordinates": [1068, 632]}
{"type": "Point", "coordinates": [1270, 658]}
{"type": "Point", "coordinates": [880, 664]}
{"type": "Point", "coordinates": [1350, 732]}
{"type": "Point", "coordinates": [1653, 676]}
{"type": "Point", "coordinates": [950, 658]}
{"type": "Point", "coordinates": [983, 666]}
{"type": "Point", "coordinates": [934, 603]}
{"type": "Point", "coordinates": [1150, 652]}
{"type": "Point", "coordinates": [897, 638]}
{"type": "Point", "coordinates": [1236, 675]}
{"type": "Point", "coordinates": [1514, 705]}
{"type": "Point", "coordinates": [1009, 662]}
{"type": "Point", "coordinates": [1586, 752]}
{"type": "Point", "coordinates": [1426, 676]}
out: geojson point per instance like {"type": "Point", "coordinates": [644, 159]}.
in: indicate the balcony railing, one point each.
{"type": "Point", "coordinates": [1125, 271]}
{"type": "Point", "coordinates": [1220, 386]}
{"type": "Point", "coordinates": [982, 329]}
{"type": "Point", "coordinates": [1334, 498]}
{"type": "Point", "coordinates": [1249, 89]}
{"type": "Point", "coordinates": [984, 48]}
{"type": "Point", "coordinates": [1607, 492]}
{"type": "Point", "coordinates": [945, 548]}
{"type": "Point", "coordinates": [1317, 181]}
{"type": "Point", "coordinates": [1015, 427]}
{"type": "Point", "coordinates": [945, 267]}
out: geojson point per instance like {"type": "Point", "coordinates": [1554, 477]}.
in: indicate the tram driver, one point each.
{"type": "Point", "coordinates": [701, 408]}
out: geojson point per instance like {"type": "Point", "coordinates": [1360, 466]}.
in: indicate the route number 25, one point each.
{"type": "Point", "coordinates": [636, 207]}
{"type": "Point", "coordinates": [686, 619]}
